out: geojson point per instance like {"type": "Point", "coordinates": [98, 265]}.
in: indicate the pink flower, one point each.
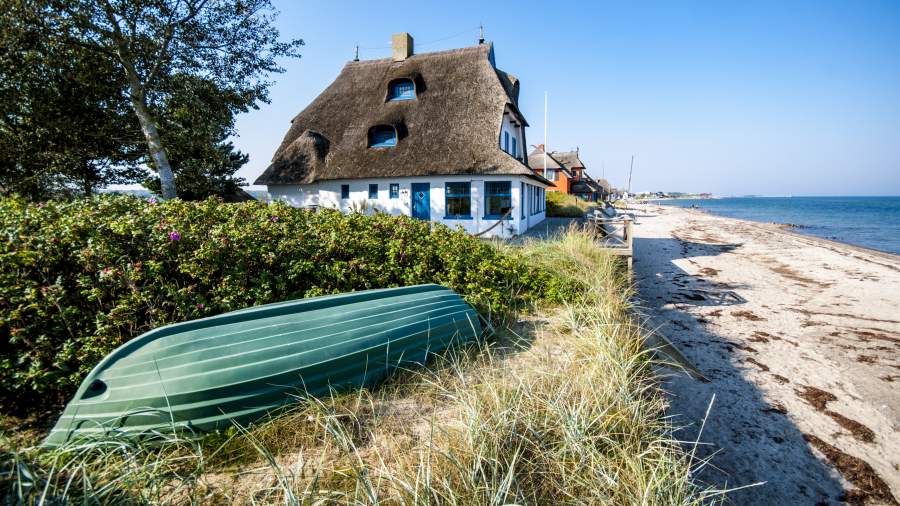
{"type": "Point", "coordinates": [151, 200]}
{"type": "Point", "coordinates": [200, 306]}
{"type": "Point", "coordinates": [175, 236]}
{"type": "Point", "coordinates": [274, 218]}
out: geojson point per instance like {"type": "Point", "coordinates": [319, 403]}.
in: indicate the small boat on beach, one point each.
{"type": "Point", "coordinates": [204, 375]}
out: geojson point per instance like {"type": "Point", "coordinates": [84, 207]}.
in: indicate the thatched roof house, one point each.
{"type": "Point", "coordinates": [555, 172]}
{"type": "Point", "coordinates": [581, 184]}
{"type": "Point", "coordinates": [567, 173]}
{"type": "Point", "coordinates": [438, 118]}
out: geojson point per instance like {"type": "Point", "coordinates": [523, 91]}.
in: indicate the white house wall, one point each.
{"type": "Point", "coordinates": [327, 194]}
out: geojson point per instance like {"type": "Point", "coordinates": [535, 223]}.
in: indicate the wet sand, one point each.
{"type": "Point", "coordinates": [800, 339]}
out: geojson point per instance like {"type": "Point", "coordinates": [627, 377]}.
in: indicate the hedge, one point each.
{"type": "Point", "coordinates": [566, 206]}
{"type": "Point", "coordinates": [79, 278]}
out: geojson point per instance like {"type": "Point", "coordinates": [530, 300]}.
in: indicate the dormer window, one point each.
{"type": "Point", "coordinates": [382, 136]}
{"type": "Point", "coordinates": [402, 89]}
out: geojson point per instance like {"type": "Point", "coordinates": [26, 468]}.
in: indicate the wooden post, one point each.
{"type": "Point", "coordinates": [629, 241]}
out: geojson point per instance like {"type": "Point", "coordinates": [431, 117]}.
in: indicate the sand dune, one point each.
{"type": "Point", "coordinates": [800, 339]}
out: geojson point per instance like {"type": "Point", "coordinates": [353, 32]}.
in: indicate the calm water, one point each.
{"type": "Point", "coordinates": [873, 222]}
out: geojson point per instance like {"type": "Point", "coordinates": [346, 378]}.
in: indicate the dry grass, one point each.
{"type": "Point", "coordinates": [559, 408]}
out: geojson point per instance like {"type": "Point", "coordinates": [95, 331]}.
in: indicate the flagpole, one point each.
{"type": "Point", "coordinates": [545, 135]}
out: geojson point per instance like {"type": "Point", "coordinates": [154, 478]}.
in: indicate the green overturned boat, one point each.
{"type": "Point", "coordinates": [202, 375]}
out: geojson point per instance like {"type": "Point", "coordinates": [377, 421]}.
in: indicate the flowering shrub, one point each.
{"type": "Point", "coordinates": [79, 278]}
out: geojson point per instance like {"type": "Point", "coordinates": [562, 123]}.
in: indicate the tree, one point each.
{"type": "Point", "coordinates": [64, 126]}
{"type": "Point", "coordinates": [196, 119]}
{"type": "Point", "coordinates": [207, 172]}
{"type": "Point", "coordinates": [232, 43]}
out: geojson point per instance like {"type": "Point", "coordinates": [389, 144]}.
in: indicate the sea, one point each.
{"type": "Point", "coordinates": [871, 222]}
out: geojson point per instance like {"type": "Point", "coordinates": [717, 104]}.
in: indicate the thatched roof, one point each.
{"type": "Point", "coordinates": [536, 160]}
{"type": "Point", "coordinates": [452, 127]}
{"type": "Point", "coordinates": [238, 195]}
{"type": "Point", "coordinates": [581, 187]}
{"type": "Point", "coordinates": [589, 185]}
{"type": "Point", "coordinates": [569, 159]}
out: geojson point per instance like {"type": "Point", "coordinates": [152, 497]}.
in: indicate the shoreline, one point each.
{"type": "Point", "coordinates": [785, 227]}
{"type": "Point", "coordinates": [800, 338]}
{"type": "Point", "coordinates": [789, 229]}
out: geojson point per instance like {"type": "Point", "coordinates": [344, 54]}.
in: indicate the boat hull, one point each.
{"type": "Point", "coordinates": [204, 375]}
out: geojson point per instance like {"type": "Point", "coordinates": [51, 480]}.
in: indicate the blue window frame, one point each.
{"type": "Point", "coordinates": [506, 141]}
{"type": "Point", "coordinates": [515, 151]}
{"type": "Point", "coordinates": [345, 191]}
{"type": "Point", "coordinates": [394, 190]}
{"type": "Point", "coordinates": [522, 199]}
{"type": "Point", "coordinates": [497, 198]}
{"type": "Point", "coordinates": [458, 201]}
{"type": "Point", "coordinates": [402, 89]}
{"type": "Point", "coordinates": [382, 136]}
{"type": "Point", "coordinates": [373, 191]}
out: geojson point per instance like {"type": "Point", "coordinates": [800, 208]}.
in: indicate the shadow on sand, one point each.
{"type": "Point", "coordinates": [750, 439]}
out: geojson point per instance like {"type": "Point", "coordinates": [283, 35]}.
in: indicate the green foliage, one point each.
{"type": "Point", "coordinates": [566, 206]}
{"type": "Point", "coordinates": [64, 127]}
{"type": "Point", "coordinates": [79, 278]}
{"type": "Point", "coordinates": [207, 172]}
{"type": "Point", "coordinates": [196, 118]}
{"type": "Point", "coordinates": [233, 44]}
{"type": "Point", "coordinates": [87, 87]}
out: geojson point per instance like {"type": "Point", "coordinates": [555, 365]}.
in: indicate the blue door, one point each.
{"type": "Point", "coordinates": [421, 202]}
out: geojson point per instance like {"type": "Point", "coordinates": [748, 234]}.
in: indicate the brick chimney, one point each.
{"type": "Point", "coordinates": [402, 46]}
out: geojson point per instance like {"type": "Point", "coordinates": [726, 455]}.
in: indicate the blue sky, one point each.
{"type": "Point", "coordinates": [732, 98]}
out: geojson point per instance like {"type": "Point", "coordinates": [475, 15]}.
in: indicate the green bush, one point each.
{"type": "Point", "coordinates": [562, 205]}
{"type": "Point", "coordinates": [79, 278]}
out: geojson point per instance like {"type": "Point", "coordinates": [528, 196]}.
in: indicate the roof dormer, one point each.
{"type": "Point", "coordinates": [403, 88]}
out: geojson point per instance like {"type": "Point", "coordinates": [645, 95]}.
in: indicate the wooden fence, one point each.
{"type": "Point", "coordinates": [615, 234]}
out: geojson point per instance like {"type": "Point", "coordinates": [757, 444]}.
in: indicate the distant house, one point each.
{"type": "Point", "coordinates": [556, 173]}
{"type": "Point", "coordinates": [567, 173]}
{"type": "Point", "coordinates": [604, 188]}
{"type": "Point", "coordinates": [436, 136]}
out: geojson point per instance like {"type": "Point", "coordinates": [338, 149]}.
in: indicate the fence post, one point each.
{"type": "Point", "coordinates": [629, 241]}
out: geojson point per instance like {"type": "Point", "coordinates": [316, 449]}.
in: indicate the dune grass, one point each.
{"type": "Point", "coordinates": [559, 407]}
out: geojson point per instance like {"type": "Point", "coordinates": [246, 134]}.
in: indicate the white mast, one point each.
{"type": "Point", "coordinates": [630, 170]}
{"type": "Point", "coordinates": [545, 134]}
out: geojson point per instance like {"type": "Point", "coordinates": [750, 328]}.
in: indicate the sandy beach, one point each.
{"type": "Point", "coordinates": [800, 341]}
